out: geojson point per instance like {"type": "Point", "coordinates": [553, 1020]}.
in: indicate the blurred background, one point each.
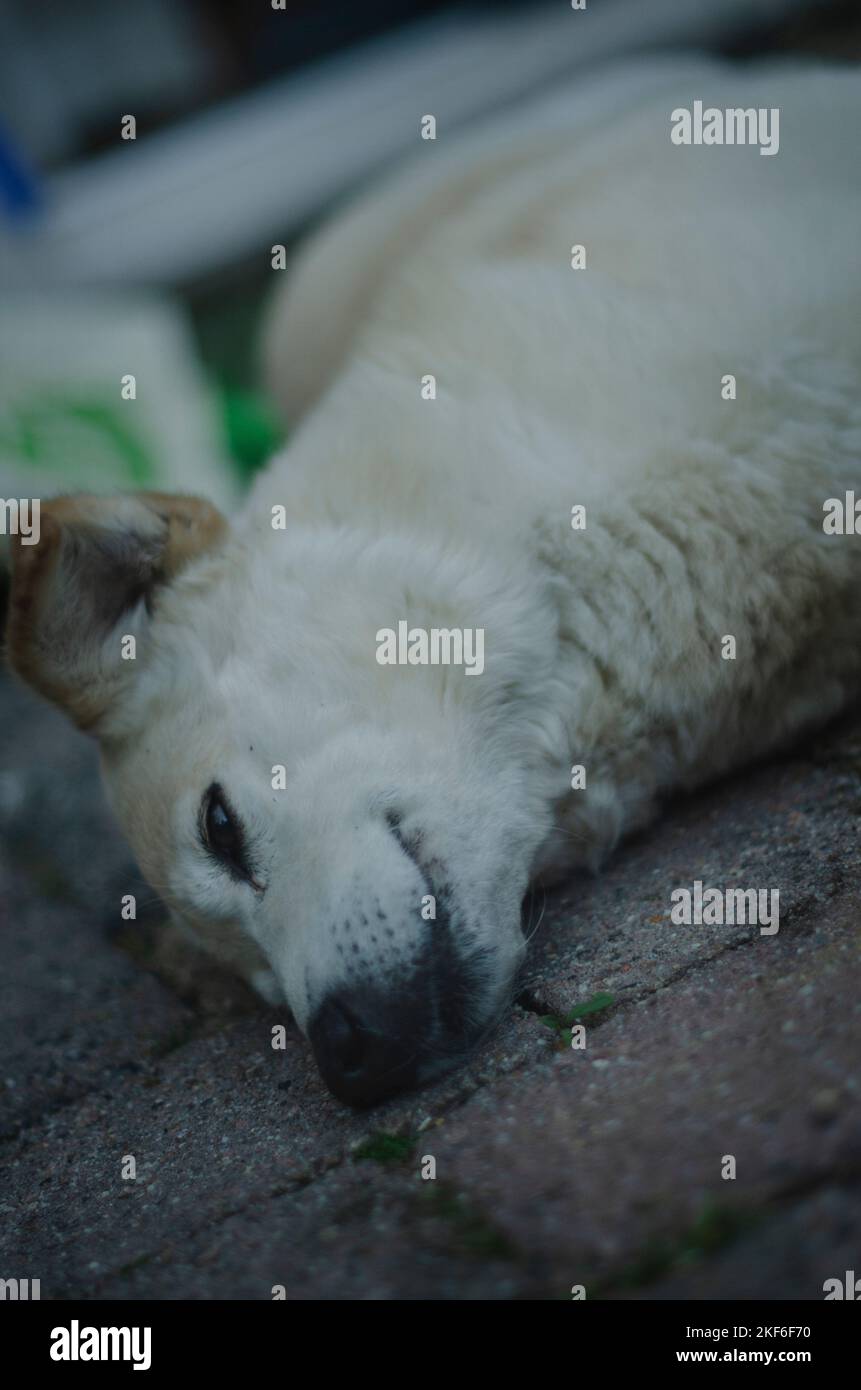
{"type": "Point", "coordinates": [151, 256]}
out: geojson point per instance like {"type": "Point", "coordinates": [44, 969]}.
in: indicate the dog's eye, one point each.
{"type": "Point", "coordinates": [222, 832]}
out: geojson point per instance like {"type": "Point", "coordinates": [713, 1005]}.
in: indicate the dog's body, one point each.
{"type": "Point", "coordinates": [601, 388]}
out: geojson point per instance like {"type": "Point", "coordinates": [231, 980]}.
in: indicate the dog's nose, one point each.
{"type": "Point", "coordinates": [362, 1047]}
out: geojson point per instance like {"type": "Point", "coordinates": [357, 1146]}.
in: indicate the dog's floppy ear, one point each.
{"type": "Point", "coordinates": [89, 583]}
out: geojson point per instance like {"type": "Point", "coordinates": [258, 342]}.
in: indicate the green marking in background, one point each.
{"type": "Point", "coordinates": [226, 318]}
{"type": "Point", "coordinates": [252, 430]}
{"type": "Point", "coordinates": [64, 433]}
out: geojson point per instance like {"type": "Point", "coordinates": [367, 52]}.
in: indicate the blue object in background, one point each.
{"type": "Point", "coordinates": [20, 192]}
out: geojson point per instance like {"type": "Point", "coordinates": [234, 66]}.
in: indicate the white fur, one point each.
{"type": "Point", "coordinates": [555, 387]}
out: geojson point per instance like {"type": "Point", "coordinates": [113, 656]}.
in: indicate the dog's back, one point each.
{"type": "Point", "coordinates": [699, 261]}
{"type": "Point", "coordinates": [692, 384]}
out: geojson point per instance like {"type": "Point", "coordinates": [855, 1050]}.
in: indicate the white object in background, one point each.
{"type": "Point", "coordinates": [177, 205]}
{"type": "Point", "coordinates": [64, 422]}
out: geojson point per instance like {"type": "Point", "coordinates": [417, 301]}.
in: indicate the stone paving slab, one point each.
{"type": "Point", "coordinates": [796, 1248]}
{"type": "Point", "coordinates": [71, 1011]}
{"type": "Point", "coordinates": [553, 1166]}
{"type": "Point", "coordinates": [600, 1167]}
{"type": "Point", "coordinates": [753, 1055]}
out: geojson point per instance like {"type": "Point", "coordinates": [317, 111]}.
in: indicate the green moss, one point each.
{"type": "Point", "coordinates": [473, 1232]}
{"type": "Point", "coordinates": [385, 1148]}
{"type": "Point", "coordinates": [714, 1229]}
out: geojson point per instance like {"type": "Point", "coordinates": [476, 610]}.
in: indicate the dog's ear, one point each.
{"type": "Point", "coordinates": [88, 584]}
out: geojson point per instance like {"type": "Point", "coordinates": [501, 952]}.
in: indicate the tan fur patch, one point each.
{"type": "Point", "coordinates": [53, 632]}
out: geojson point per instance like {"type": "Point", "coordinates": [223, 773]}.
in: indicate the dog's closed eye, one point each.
{"type": "Point", "coordinates": [223, 835]}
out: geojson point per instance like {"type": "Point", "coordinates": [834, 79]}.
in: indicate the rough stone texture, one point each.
{"type": "Point", "coordinates": [555, 1166]}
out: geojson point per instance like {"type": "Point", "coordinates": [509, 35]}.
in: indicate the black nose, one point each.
{"type": "Point", "coordinates": [362, 1047]}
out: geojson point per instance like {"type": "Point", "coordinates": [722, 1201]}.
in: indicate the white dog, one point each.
{"type": "Point", "coordinates": [492, 442]}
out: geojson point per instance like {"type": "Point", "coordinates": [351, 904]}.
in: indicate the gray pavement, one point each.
{"type": "Point", "coordinates": [554, 1166]}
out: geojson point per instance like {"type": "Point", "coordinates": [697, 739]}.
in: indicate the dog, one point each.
{"type": "Point", "coordinates": [565, 382]}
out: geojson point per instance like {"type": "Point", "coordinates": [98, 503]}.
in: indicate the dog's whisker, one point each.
{"type": "Point", "coordinates": [532, 930]}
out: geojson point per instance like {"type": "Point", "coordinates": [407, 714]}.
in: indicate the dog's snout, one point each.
{"type": "Point", "coordinates": [362, 1046]}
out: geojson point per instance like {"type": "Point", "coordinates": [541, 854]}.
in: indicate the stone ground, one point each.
{"type": "Point", "coordinates": [555, 1166]}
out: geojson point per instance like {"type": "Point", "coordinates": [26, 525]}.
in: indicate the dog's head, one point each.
{"type": "Point", "coordinates": [311, 813]}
